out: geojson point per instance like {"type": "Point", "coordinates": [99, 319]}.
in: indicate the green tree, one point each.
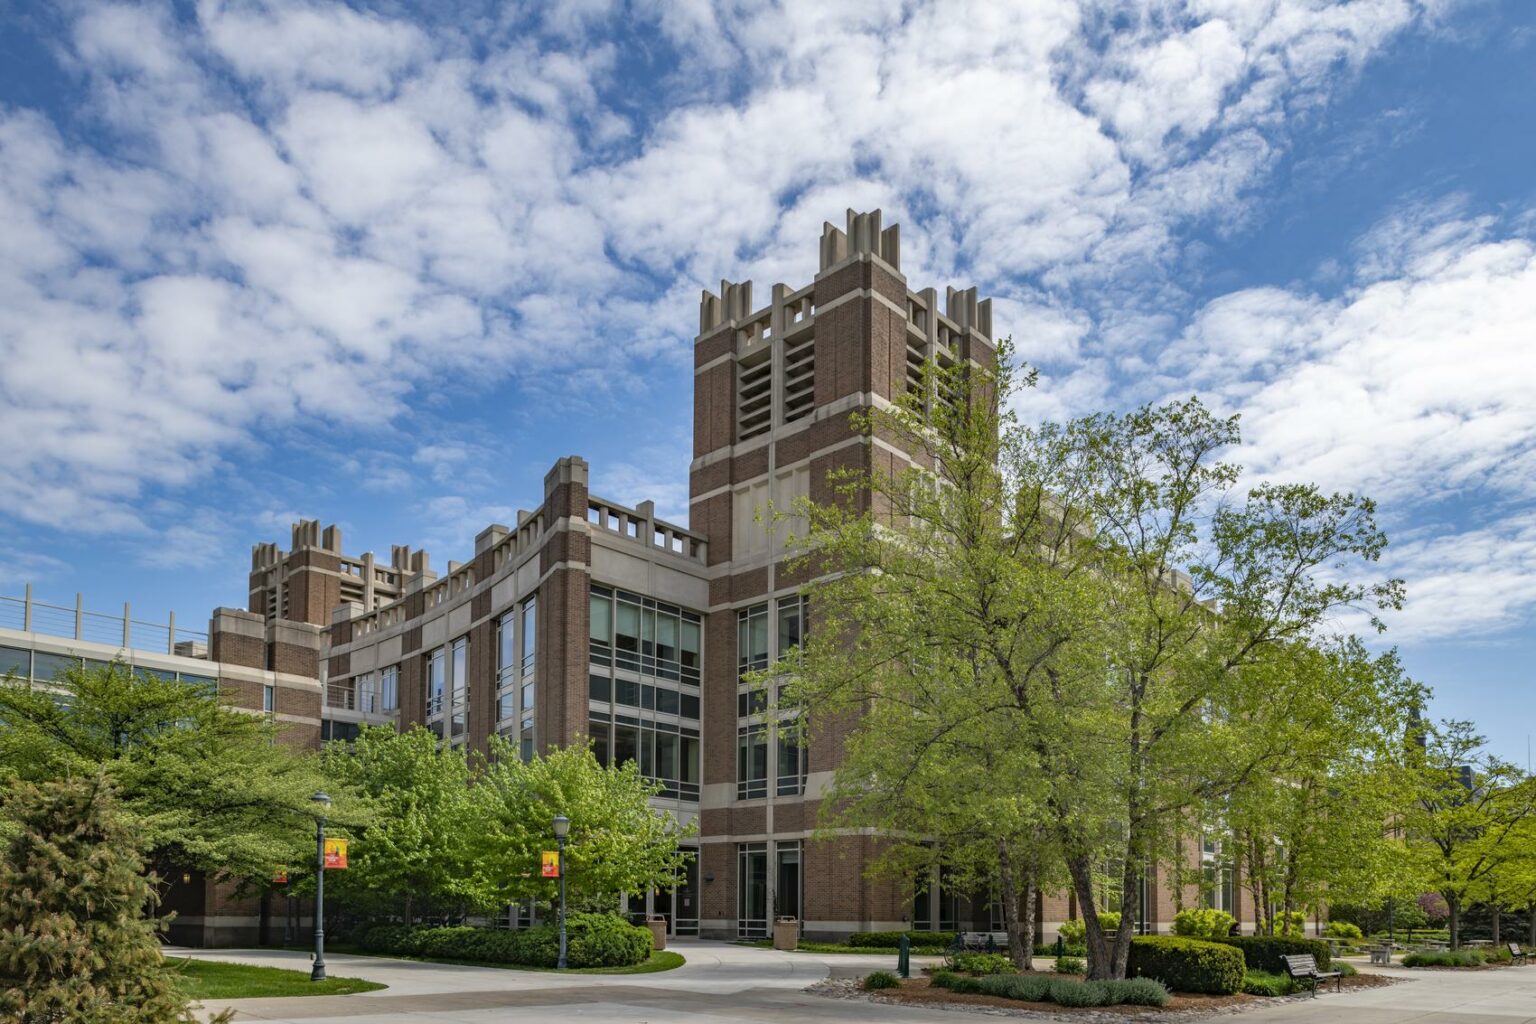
{"type": "Point", "coordinates": [1320, 826]}
{"type": "Point", "coordinates": [1468, 817]}
{"type": "Point", "coordinates": [75, 944]}
{"type": "Point", "coordinates": [618, 843]}
{"type": "Point", "coordinates": [417, 856]}
{"type": "Point", "coordinates": [206, 787]}
{"type": "Point", "coordinates": [1096, 590]}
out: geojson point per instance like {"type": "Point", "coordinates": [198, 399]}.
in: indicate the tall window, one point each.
{"type": "Point", "coordinates": [268, 699]}
{"type": "Point", "coordinates": [751, 640]}
{"type": "Point", "coordinates": [367, 694]}
{"type": "Point", "coordinates": [437, 680]}
{"type": "Point", "coordinates": [751, 761]}
{"type": "Point", "coordinates": [792, 616]}
{"type": "Point", "coordinates": [791, 754]}
{"type": "Point", "coordinates": [530, 634]}
{"type": "Point", "coordinates": [389, 687]}
{"type": "Point", "coordinates": [459, 677]}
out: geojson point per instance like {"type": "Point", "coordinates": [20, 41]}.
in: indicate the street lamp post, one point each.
{"type": "Point", "coordinates": [323, 802]}
{"type": "Point", "coordinates": [562, 827]}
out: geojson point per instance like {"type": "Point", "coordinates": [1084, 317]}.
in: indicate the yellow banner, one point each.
{"type": "Point", "coordinates": [335, 853]}
{"type": "Point", "coordinates": [549, 866]}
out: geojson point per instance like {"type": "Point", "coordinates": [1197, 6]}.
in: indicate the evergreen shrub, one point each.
{"type": "Point", "coordinates": [1268, 952]}
{"type": "Point", "coordinates": [1187, 965]}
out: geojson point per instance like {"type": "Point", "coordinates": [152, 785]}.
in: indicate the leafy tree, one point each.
{"type": "Point", "coordinates": [1469, 815]}
{"type": "Point", "coordinates": [1093, 592]}
{"type": "Point", "coordinates": [418, 855]}
{"type": "Point", "coordinates": [1322, 826]}
{"type": "Point", "coordinates": [74, 941]}
{"type": "Point", "coordinates": [206, 787]}
{"type": "Point", "coordinates": [454, 833]}
{"type": "Point", "coordinates": [618, 844]}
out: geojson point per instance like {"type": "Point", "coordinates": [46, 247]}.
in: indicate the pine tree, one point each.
{"type": "Point", "coordinates": [76, 944]}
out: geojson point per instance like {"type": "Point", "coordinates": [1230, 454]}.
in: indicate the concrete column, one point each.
{"type": "Point", "coordinates": [26, 611]}
{"type": "Point", "coordinates": [79, 614]}
{"type": "Point", "coordinates": [127, 624]}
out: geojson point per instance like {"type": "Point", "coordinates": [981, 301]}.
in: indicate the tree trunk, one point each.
{"type": "Point", "coordinates": [1027, 914]}
{"type": "Point", "coordinates": [1130, 906]}
{"type": "Point", "coordinates": [1177, 874]}
{"type": "Point", "coordinates": [1531, 936]}
{"type": "Point", "coordinates": [1453, 903]}
{"type": "Point", "coordinates": [1256, 889]}
{"type": "Point", "coordinates": [1099, 961]}
{"type": "Point", "coordinates": [1018, 952]}
{"type": "Point", "coordinates": [1495, 926]}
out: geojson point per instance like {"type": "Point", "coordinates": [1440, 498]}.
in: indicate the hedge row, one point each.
{"type": "Point", "coordinates": [1268, 952]}
{"type": "Point", "coordinates": [891, 940]}
{"type": "Point", "coordinates": [1035, 988]}
{"type": "Point", "coordinates": [592, 940]}
{"type": "Point", "coordinates": [1187, 965]}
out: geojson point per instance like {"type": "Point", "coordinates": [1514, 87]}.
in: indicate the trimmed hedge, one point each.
{"type": "Point", "coordinates": [1035, 988]}
{"type": "Point", "coordinates": [1187, 965]}
{"type": "Point", "coordinates": [1268, 952]}
{"type": "Point", "coordinates": [592, 940]}
{"type": "Point", "coordinates": [881, 979]}
{"type": "Point", "coordinates": [891, 940]}
{"type": "Point", "coordinates": [1446, 958]}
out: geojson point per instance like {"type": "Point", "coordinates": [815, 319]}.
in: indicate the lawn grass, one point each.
{"type": "Point", "coordinates": [660, 960]}
{"type": "Point", "coordinates": [210, 979]}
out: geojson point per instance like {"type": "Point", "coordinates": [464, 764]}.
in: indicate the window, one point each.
{"type": "Point", "coordinates": [689, 648]}
{"type": "Point", "coordinates": [367, 694]}
{"type": "Point", "coordinates": [626, 633]}
{"type": "Point", "coordinates": [506, 706]}
{"type": "Point", "coordinates": [268, 699]}
{"type": "Point", "coordinates": [626, 741]}
{"type": "Point", "coordinates": [437, 680]}
{"type": "Point", "coordinates": [599, 688]}
{"type": "Point", "coordinates": [530, 633]}
{"type": "Point", "coordinates": [598, 730]}
{"type": "Point", "coordinates": [600, 626]}
{"type": "Point", "coordinates": [46, 667]}
{"type": "Point", "coordinates": [792, 760]}
{"type": "Point", "coordinates": [751, 639]}
{"type": "Point", "coordinates": [13, 659]}
{"type": "Point", "coordinates": [792, 622]}
{"type": "Point", "coordinates": [751, 762]}
{"type": "Point", "coordinates": [525, 746]}
{"type": "Point", "coordinates": [506, 634]}
{"type": "Point", "coordinates": [459, 683]}
{"type": "Point", "coordinates": [389, 687]}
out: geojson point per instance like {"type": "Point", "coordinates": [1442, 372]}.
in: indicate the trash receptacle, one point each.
{"type": "Point", "coordinates": [658, 927]}
{"type": "Point", "coordinates": [786, 933]}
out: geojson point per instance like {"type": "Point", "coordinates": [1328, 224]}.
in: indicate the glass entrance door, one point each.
{"type": "Point", "coordinates": [788, 897]}
{"type": "Point", "coordinates": [686, 899]}
{"type": "Point", "coordinates": [752, 890]}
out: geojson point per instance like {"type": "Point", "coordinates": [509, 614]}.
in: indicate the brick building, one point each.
{"type": "Point", "coordinates": [591, 619]}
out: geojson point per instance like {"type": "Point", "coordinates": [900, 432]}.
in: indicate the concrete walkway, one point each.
{"type": "Point", "coordinates": [722, 982]}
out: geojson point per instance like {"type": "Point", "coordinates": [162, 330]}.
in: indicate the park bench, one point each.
{"type": "Point", "coordinates": [1516, 954]}
{"type": "Point", "coordinates": [1381, 954]}
{"type": "Point", "coordinates": [990, 942]}
{"type": "Point", "coordinates": [1303, 967]}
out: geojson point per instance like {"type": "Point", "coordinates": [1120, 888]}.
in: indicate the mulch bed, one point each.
{"type": "Point", "coordinates": [1180, 1006]}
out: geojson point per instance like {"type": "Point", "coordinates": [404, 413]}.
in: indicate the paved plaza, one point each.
{"type": "Point", "coordinates": [723, 982]}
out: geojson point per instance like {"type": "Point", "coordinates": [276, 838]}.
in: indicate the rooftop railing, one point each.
{"type": "Point", "coordinates": [124, 631]}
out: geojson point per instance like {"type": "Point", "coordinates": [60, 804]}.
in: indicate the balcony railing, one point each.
{"type": "Point", "coordinates": [123, 631]}
{"type": "Point", "coordinates": [347, 698]}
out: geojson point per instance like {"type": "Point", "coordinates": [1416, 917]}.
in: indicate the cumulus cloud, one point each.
{"type": "Point", "coordinates": [305, 214]}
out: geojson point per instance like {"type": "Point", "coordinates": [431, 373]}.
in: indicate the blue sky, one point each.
{"type": "Point", "coordinates": [382, 264]}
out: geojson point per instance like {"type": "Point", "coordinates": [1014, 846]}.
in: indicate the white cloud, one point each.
{"type": "Point", "coordinates": [310, 214]}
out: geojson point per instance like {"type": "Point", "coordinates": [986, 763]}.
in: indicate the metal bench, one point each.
{"type": "Point", "coordinates": [1303, 967]}
{"type": "Point", "coordinates": [1516, 954]}
{"type": "Point", "coordinates": [989, 942]}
